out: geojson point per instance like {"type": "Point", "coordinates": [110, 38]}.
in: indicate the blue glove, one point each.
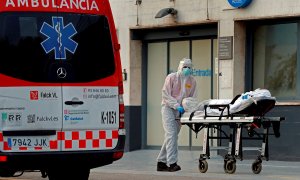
{"type": "Point", "coordinates": [180, 109]}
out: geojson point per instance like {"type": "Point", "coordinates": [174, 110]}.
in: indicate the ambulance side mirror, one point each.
{"type": "Point", "coordinates": [117, 47]}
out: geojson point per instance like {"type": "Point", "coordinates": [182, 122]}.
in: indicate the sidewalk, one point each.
{"type": "Point", "coordinates": [144, 162]}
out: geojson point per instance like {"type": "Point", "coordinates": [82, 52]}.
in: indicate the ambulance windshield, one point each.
{"type": "Point", "coordinates": [52, 47]}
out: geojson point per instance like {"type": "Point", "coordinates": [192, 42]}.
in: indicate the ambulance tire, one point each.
{"type": "Point", "coordinates": [6, 172]}
{"type": "Point", "coordinates": [63, 174]}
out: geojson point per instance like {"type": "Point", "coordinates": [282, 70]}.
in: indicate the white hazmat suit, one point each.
{"type": "Point", "coordinates": [177, 86]}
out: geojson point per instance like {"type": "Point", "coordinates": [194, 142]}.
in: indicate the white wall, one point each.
{"type": "Point", "coordinates": [128, 15]}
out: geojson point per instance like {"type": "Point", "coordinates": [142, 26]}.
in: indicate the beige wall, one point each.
{"type": "Point", "coordinates": [128, 15]}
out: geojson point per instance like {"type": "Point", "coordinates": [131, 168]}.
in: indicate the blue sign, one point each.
{"type": "Point", "coordinates": [59, 37]}
{"type": "Point", "coordinates": [199, 72]}
{"type": "Point", "coordinates": [202, 73]}
{"type": "Point", "coordinates": [239, 3]}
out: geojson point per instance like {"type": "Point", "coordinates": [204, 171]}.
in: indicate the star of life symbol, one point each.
{"type": "Point", "coordinates": [58, 38]}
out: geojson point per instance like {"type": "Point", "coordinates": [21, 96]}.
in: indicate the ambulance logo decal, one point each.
{"type": "Point", "coordinates": [59, 38]}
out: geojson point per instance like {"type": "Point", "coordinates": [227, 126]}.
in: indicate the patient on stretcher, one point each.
{"type": "Point", "coordinates": [252, 103]}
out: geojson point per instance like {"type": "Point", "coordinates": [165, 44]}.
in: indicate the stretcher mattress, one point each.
{"type": "Point", "coordinates": [253, 103]}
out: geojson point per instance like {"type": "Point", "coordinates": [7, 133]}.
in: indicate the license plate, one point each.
{"type": "Point", "coordinates": [28, 142]}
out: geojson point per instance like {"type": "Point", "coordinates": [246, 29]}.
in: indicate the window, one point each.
{"type": "Point", "coordinates": [275, 60]}
{"type": "Point", "coordinates": [23, 56]}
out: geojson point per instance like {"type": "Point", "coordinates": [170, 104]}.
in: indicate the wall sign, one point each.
{"type": "Point", "coordinates": [225, 47]}
{"type": "Point", "coordinates": [239, 3]}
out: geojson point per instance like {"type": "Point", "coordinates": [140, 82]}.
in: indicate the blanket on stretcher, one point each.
{"type": "Point", "coordinates": [238, 104]}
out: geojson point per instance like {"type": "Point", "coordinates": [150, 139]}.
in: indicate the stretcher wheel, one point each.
{"type": "Point", "coordinates": [230, 167]}
{"type": "Point", "coordinates": [256, 167]}
{"type": "Point", "coordinates": [224, 166]}
{"type": "Point", "coordinates": [203, 166]}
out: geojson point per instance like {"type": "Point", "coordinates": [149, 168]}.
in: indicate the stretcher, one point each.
{"type": "Point", "coordinates": [252, 119]}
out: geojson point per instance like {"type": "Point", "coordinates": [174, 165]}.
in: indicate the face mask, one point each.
{"type": "Point", "coordinates": [186, 71]}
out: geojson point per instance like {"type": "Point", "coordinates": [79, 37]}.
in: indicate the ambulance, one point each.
{"type": "Point", "coordinates": [61, 88]}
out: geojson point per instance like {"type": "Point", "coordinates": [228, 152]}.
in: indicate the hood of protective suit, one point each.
{"type": "Point", "coordinates": [183, 78]}
{"type": "Point", "coordinates": [184, 62]}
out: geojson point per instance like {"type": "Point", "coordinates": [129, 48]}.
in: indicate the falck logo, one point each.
{"type": "Point", "coordinates": [34, 95]}
{"type": "Point", "coordinates": [59, 38]}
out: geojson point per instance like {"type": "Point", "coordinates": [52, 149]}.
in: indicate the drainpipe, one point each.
{"type": "Point", "coordinates": [137, 3]}
{"type": "Point", "coordinates": [207, 13]}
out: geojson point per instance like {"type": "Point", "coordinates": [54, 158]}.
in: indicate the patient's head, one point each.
{"type": "Point", "coordinates": [190, 104]}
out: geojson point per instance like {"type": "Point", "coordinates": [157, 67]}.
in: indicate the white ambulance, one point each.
{"type": "Point", "coordinates": [61, 89]}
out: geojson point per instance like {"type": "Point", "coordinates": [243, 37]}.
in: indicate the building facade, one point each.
{"type": "Point", "coordinates": [236, 46]}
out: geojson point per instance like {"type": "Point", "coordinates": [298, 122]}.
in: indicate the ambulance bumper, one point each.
{"type": "Point", "coordinates": [45, 160]}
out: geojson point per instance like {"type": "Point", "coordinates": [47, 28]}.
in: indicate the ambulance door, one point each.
{"type": "Point", "coordinates": [90, 89]}
{"type": "Point", "coordinates": [31, 96]}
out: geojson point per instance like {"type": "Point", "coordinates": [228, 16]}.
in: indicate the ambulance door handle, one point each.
{"type": "Point", "coordinates": [73, 102]}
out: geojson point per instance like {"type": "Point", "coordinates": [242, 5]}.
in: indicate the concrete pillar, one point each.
{"type": "Point", "coordinates": [239, 57]}
{"type": "Point", "coordinates": [225, 66]}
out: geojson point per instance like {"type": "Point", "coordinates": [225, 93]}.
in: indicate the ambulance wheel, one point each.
{"type": "Point", "coordinates": [256, 167]}
{"type": "Point", "coordinates": [230, 167]}
{"type": "Point", "coordinates": [63, 174]}
{"type": "Point", "coordinates": [203, 166]}
{"type": "Point", "coordinates": [6, 172]}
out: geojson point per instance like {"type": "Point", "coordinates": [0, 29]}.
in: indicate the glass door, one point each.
{"type": "Point", "coordinates": [163, 58]}
{"type": "Point", "coordinates": [204, 53]}
{"type": "Point", "coordinates": [156, 73]}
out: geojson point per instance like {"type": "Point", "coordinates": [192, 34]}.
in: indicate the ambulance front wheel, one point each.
{"type": "Point", "coordinates": [203, 166]}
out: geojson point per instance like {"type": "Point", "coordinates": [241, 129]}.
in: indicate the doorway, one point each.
{"type": "Point", "coordinates": [163, 58]}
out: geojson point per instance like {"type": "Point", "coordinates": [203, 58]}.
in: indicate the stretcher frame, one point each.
{"type": "Point", "coordinates": [236, 123]}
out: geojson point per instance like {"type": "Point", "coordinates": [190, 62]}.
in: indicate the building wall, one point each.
{"type": "Point", "coordinates": [128, 16]}
{"type": "Point", "coordinates": [231, 22]}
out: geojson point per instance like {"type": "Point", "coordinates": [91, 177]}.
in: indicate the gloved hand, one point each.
{"type": "Point", "coordinates": [180, 109]}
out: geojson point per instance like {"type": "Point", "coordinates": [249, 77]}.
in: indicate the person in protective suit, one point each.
{"type": "Point", "coordinates": [177, 86]}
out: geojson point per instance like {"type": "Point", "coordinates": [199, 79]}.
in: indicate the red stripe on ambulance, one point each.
{"type": "Point", "coordinates": [72, 141]}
